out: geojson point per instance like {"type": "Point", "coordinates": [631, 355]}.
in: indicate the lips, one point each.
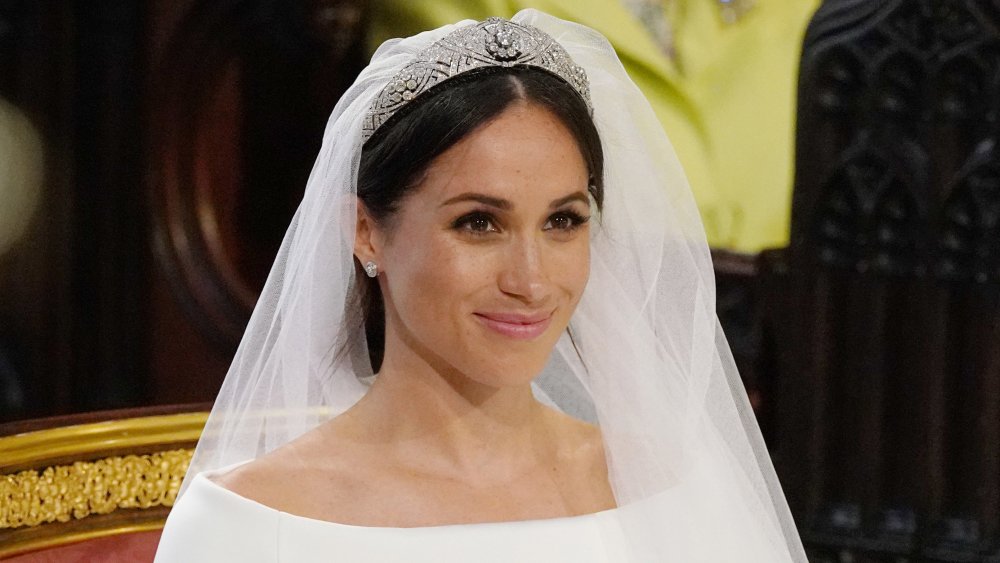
{"type": "Point", "coordinates": [518, 326]}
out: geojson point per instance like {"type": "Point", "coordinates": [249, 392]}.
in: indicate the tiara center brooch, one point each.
{"type": "Point", "coordinates": [504, 43]}
{"type": "Point", "coordinates": [490, 43]}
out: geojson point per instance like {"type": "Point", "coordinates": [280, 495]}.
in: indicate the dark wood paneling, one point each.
{"type": "Point", "coordinates": [888, 422]}
{"type": "Point", "coordinates": [70, 313]}
{"type": "Point", "coordinates": [243, 90]}
{"type": "Point", "coordinates": [177, 139]}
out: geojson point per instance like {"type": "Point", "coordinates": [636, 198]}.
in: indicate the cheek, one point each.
{"type": "Point", "coordinates": [432, 279]}
{"type": "Point", "coordinates": [573, 269]}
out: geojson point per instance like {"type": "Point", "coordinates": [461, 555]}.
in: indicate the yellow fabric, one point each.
{"type": "Point", "coordinates": [727, 100]}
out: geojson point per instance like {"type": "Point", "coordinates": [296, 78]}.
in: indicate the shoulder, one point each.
{"type": "Point", "coordinates": [578, 441]}
{"type": "Point", "coordinates": [580, 450]}
{"type": "Point", "coordinates": [209, 523]}
{"type": "Point", "coordinates": [264, 480]}
{"type": "Point", "coordinates": [312, 476]}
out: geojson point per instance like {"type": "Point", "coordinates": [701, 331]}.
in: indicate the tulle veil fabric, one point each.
{"type": "Point", "coordinates": [648, 361]}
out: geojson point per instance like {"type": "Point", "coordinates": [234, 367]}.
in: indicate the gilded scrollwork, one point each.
{"type": "Point", "coordinates": [64, 492]}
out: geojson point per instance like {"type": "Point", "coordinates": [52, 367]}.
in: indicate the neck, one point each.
{"type": "Point", "coordinates": [455, 423]}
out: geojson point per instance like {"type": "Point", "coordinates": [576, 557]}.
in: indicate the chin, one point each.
{"type": "Point", "coordinates": [511, 364]}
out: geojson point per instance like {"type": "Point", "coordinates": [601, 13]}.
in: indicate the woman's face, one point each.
{"type": "Point", "coordinates": [487, 258]}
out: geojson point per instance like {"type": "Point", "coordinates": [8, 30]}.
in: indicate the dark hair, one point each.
{"type": "Point", "coordinates": [395, 158]}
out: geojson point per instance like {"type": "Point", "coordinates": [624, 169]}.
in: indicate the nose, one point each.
{"type": "Point", "coordinates": [523, 274]}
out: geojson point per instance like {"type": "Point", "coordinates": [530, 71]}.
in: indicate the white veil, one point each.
{"type": "Point", "coordinates": [686, 462]}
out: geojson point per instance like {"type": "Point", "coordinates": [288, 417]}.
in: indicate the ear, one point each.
{"type": "Point", "coordinates": [367, 237]}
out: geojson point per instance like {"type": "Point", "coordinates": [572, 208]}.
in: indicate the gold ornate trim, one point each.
{"type": "Point", "coordinates": [64, 492]}
{"type": "Point", "coordinates": [32, 450]}
{"type": "Point", "coordinates": [85, 481]}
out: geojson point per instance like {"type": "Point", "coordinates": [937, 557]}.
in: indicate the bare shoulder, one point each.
{"type": "Point", "coordinates": [581, 451]}
{"type": "Point", "coordinates": [578, 439]}
{"type": "Point", "coordinates": [261, 480]}
{"type": "Point", "coordinates": [303, 477]}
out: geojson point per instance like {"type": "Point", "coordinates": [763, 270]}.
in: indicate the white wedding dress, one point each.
{"type": "Point", "coordinates": [213, 524]}
{"type": "Point", "coordinates": [646, 362]}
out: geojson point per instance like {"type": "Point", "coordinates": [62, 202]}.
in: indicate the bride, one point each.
{"type": "Point", "coordinates": [489, 334]}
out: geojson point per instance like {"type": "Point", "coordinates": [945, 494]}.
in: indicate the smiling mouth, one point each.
{"type": "Point", "coordinates": [518, 327]}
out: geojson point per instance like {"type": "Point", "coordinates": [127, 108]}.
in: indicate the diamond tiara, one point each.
{"type": "Point", "coordinates": [494, 42]}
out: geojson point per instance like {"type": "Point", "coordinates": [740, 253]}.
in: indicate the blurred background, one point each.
{"type": "Point", "coordinates": [843, 155]}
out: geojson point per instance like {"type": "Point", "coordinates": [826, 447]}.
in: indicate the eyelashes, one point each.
{"type": "Point", "coordinates": [476, 223]}
{"type": "Point", "coordinates": [567, 220]}
{"type": "Point", "coordinates": [483, 223]}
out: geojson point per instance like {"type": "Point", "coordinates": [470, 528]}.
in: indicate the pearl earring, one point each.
{"type": "Point", "coordinates": [371, 268]}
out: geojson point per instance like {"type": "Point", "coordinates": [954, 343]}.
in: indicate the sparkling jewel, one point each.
{"type": "Point", "coordinates": [493, 42]}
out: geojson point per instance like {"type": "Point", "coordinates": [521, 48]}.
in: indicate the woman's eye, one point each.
{"type": "Point", "coordinates": [565, 221]}
{"type": "Point", "coordinates": [561, 222]}
{"type": "Point", "coordinates": [477, 223]}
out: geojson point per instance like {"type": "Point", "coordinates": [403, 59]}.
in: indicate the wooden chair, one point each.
{"type": "Point", "coordinates": [94, 487]}
{"type": "Point", "coordinates": [883, 314]}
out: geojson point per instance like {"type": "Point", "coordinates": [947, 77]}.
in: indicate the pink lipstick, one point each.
{"type": "Point", "coordinates": [515, 325]}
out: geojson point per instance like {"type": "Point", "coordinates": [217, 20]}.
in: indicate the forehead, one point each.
{"type": "Point", "coordinates": [525, 153]}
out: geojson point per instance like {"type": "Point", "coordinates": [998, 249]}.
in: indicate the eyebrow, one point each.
{"type": "Point", "coordinates": [506, 205]}
{"type": "Point", "coordinates": [581, 196]}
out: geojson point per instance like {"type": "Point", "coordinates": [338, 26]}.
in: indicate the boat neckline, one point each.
{"type": "Point", "coordinates": [204, 478]}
